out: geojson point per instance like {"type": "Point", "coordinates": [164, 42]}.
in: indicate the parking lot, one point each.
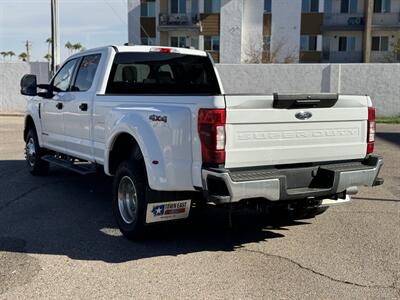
{"type": "Point", "coordinates": [58, 239]}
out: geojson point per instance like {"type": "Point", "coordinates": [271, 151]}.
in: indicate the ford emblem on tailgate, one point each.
{"type": "Point", "coordinates": [303, 115]}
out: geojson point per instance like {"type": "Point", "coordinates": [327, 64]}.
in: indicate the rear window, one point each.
{"type": "Point", "coordinates": [162, 73]}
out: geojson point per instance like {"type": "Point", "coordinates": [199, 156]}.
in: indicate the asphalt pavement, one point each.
{"type": "Point", "coordinates": [58, 239]}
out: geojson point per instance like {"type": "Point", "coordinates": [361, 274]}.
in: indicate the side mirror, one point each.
{"type": "Point", "coordinates": [29, 85]}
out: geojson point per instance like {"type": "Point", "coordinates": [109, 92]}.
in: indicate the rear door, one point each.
{"type": "Point", "coordinates": [259, 134]}
{"type": "Point", "coordinates": [78, 108]}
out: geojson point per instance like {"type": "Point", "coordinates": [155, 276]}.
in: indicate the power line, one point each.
{"type": "Point", "coordinates": [115, 12]}
{"type": "Point", "coordinates": [122, 20]}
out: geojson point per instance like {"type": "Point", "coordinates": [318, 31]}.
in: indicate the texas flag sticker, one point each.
{"type": "Point", "coordinates": [158, 212]}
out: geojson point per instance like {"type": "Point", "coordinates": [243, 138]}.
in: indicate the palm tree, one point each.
{"type": "Point", "coordinates": [77, 46]}
{"type": "Point", "coordinates": [11, 54]}
{"type": "Point", "coordinates": [4, 54]}
{"type": "Point", "coordinates": [69, 46]}
{"type": "Point", "coordinates": [23, 56]}
{"type": "Point", "coordinates": [47, 57]}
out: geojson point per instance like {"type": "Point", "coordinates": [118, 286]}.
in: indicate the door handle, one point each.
{"type": "Point", "coordinates": [83, 107]}
{"type": "Point", "coordinates": [59, 105]}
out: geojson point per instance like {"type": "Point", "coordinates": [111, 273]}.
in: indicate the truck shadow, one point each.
{"type": "Point", "coordinates": [69, 214]}
{"type": "Point", "coordinates": [391, 137]}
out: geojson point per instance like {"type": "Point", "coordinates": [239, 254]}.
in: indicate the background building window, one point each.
{"type": "Point", "coordinates": [211, 43]}
{"type": "Point", "coordinates": [148, 8]}
{"type": "Point", "coordinates": [267, 6]}
{"type": "Point", "coordinates": [347, 43]}
{"type": "Point", "coordinates": [178, 6]}
{"type": "Point", "coordinates": [194, 42]}
{"type": "Point", "coordinates": [178, 41]}
{"type": "Point", "coordinates": [308, 43]}
{"type": "Point", "coordinates": [310, 6]}
{"type": "Point", "coordinates": [348, 6]}
{"type": "Point", "coordinates": [149, 41]}
{"type": "Point", "coordinates": [382, 6]}
{"type": "Point", "coordinates": [380, 43]}
{"type": "Point", "coordinates": [212, 6]}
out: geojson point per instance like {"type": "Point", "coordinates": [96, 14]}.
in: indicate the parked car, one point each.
{"type": "Point", "coordinates": [157, 119]}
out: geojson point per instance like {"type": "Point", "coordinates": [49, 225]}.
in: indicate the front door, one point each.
{"type": "Point", "coordinates": [52, 109]}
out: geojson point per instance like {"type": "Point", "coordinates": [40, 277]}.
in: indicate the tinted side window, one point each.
{"type": "Point", "coordinates": [162, 73]}
{"type": "Point", "coordinates": [86, 72]}
{"type": "Point", "coordinates": [63, 78]}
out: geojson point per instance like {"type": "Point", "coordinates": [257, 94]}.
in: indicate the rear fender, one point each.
{"type": "Point", "coordinates": [163, 134]}
{"type": "Point", "coordinates": [135, 125]}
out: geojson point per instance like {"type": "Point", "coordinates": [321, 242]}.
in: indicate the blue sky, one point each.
{"type": "Point", "coordinates": [92, 23]}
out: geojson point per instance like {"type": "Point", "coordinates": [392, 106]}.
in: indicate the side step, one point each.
{"type": "Point", "coordinates": [83, 168]}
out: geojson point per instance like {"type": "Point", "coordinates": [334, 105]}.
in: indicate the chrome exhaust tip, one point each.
{"type": "Point", "coordinates": [352, 190]}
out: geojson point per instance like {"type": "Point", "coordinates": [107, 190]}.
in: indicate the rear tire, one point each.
{"type": "Point", "coordinates": [33, 155]}
{"type": "Point", "coordinates": [129, 199]}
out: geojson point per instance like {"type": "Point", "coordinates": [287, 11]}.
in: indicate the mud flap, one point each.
{"type": "Point", "coordinates": [167, 211]}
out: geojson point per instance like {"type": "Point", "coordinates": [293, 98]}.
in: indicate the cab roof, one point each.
{"type": "Point", "coordinates": [140, 48]}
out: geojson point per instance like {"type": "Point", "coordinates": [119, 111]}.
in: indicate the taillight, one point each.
{"type": "Point", "coordinates": [211, 127]}
{"type": "Point", "coordinates": [371, 130]}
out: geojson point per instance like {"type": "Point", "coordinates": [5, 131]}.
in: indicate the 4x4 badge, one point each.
{"type": "Point", "coordinates": [156, 118]}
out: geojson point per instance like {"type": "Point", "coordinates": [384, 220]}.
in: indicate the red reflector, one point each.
{"type": "Point", "coordinates": [211, 127]}
{"type": "Point", "coordinates": [371, 129]}
{"type": "Point", "coordinates": [370, 148]}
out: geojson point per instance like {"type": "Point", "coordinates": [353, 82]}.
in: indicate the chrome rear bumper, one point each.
{"type": "Point", "coordinates": [222, 186]}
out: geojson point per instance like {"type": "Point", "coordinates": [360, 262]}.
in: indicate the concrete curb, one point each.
{"type": "Point", "coordinates": [11, 114]}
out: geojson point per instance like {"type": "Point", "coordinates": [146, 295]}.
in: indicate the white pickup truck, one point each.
{"type": "Point", "coordinates": [158, 120]}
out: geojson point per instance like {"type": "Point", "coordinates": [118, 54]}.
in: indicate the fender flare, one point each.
{"type": "Point", "coordinates": [35, 124]}
{"type": "Point", "coordinates": [143, 134]}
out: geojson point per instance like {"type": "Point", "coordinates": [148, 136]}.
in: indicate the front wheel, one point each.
{"type": "Point", "coordinates": [33, 155]}
{"type": "Point", "coordinates": [129, 199]}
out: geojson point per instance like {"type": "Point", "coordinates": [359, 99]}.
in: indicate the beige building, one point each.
{"type": "Point", "coordinates": [240, 31]}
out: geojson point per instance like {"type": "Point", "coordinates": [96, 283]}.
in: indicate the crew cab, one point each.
{"type": "Point", "coordinates": [157, 119]}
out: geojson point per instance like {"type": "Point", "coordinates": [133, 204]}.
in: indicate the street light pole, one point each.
{"type": "Point", "coordinates": [55, 37]}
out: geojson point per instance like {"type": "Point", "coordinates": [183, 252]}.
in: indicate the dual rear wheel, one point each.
{"type": "Point", "coordinates": [129, 190]}
{"type": "Point", "coordinates": [129, 199]}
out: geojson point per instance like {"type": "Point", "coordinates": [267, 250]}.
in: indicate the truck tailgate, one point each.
{"type": "Point", "coordinates": [258, 133]}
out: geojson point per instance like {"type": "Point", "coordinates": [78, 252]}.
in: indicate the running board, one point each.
{"type": "Point", "coordinates": [83, 168]}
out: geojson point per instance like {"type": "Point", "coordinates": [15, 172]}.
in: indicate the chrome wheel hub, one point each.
{"type": "Point", "coordinates": [30, 152]}
{"type": "Point", "coordinates": [127, 200]}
